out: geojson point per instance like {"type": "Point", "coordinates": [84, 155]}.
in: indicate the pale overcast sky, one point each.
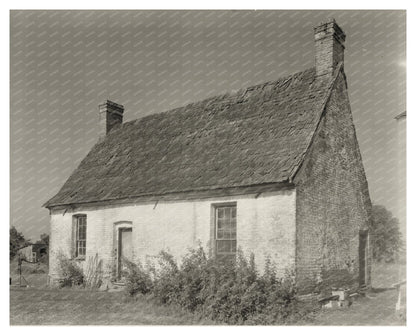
{"type": "Point", "coordinates": [65, 63]}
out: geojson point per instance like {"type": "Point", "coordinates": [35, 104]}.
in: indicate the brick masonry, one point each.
{"type": "Point", "coordinates": [110, 116]}
{"type": "Point", "coordinates": [333, 202]}
{"type": "Point", "coordinates": [329, 47]}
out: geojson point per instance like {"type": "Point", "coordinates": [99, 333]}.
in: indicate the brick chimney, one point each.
{"type": "Point", "coordinates": [329, 47]}
{"type": "Point", "coordinates": [111, 116]}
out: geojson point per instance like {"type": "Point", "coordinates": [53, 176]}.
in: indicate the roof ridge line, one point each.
{"type": "Point", "coordinates": [328, 95]}
{"type": "Point", "coordinates": [241, 90]}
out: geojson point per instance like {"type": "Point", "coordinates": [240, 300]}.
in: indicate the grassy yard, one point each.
{"type": "Point", "coordinates": [39, 305]}
{"type": "Point", "coordinates": [70, 307]}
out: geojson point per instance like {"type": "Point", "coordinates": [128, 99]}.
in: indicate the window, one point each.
{"type": "Point", "coordinates": [226, 231]}
{"type": "Point", "coordinates": [80, 236]}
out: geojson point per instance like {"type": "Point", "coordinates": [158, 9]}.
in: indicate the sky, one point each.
{"type": "Point", "coordinates": [63, 64]}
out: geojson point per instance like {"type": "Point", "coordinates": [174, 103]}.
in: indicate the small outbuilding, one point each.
{"type": "Point", "coordinates": [33, 252]}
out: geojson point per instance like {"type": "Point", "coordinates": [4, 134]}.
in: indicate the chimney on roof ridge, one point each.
{"type": "Point", "coordinates": [110, 116]}
{"type": "Point", "coordinates": [329, 47]}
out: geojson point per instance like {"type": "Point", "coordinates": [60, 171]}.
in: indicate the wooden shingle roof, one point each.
{"type": "Point", "coordinates": [256, 136]}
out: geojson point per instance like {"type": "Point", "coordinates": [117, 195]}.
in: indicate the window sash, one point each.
{"type": "Point", "coordinates": [226, 230]}
{"type": "Point", "coordinates": [81, 236]}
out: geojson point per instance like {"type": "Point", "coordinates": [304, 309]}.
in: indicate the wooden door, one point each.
{"type": "Point", "coordinates": [125, 250]}
{"type": "Point", "coordinates": [363, 257]}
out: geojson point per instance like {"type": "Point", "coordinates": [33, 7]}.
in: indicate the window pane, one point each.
{"type": "Point", "coordinates": [227, 213]}
{"type": "Point", "coordinates": [233, 222]}
{"type": "Point", "coordinates": [223, 246]}
{"type": "Point", "coordinates": [234, 246]}
{"type": "Point", "coordinates": [79, 235]}
{"type": "Point", "coordinates": [226, 246]}
{"type": "Point", "coordinates": [233, 235]}
{"type": "Point", "coordinates": [233, 212]}
{"type": "Point", "coordinates": [82, 228]}
{"type": "Point", "coordinates": [220, 212]}
{"type": "Point", "coordinates": [81, 248]}
{"type": "Point", "coordinates": [227, 226]}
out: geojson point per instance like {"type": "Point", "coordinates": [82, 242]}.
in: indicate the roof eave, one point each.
{"type": "Point", "coordinates": [205, 193]}
{"type": "Point", "coordinates": [297, 166]}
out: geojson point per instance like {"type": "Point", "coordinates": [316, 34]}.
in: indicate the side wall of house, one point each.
{"type": "Point", "coordinates": [333, 202]}
{"type": "Point", "coordinates": [265, 226]}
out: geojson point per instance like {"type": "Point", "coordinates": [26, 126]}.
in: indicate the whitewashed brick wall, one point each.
{"type": "Point", "coordinates": [265, 226]}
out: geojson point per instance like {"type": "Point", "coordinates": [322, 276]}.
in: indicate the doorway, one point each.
{"type": "Point", "coordinates": [125, 251]}
{"type": "Point", "coordinates": [363, 258]}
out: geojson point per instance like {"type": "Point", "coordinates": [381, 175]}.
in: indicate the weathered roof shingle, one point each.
{"type": "Point", "coordinates": [255, 136]}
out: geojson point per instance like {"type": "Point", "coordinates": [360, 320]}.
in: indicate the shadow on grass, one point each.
{"type": "Point", "coordinates": [382, 289]}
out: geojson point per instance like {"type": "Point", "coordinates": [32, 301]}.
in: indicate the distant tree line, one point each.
{"type": "Point", "coordinates": [17, 241]}
{"type": "Point", "coordinates": [386, 238]}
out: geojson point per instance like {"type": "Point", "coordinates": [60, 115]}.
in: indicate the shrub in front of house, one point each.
{"type": "Point", "coordinates": [138, 279]}
{"type": "Point", "coordinates": [70, 273]}
{"type": "Point", "coordinates": [230, 292]}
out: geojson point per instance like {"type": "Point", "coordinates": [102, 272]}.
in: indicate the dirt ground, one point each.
{"type": "Point", "coordinates": [378, 307]}
{"type": "Point", "coordinates": [39, 305]}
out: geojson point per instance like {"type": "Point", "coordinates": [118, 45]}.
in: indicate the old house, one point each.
{"type": "Point", "coordinates": [274, 169]}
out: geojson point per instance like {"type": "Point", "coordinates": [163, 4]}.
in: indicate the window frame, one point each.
{"type": "Point", "coordinates": [80, 250]}
{"type": "Point", "coordinates": [216, 208]}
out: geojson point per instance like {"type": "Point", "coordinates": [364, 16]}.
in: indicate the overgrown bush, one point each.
{"type": "Point", "coordinates": [71, 274]}
{"type": "Point", "coordinates": [137, 279]}
{"type": "Point", "coordinates": [227, 291]}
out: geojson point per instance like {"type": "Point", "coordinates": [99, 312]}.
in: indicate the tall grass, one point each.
{"type": "Point", "coordinates": [93, 275]}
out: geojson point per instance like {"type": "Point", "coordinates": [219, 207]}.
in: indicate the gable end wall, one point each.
{"type": "Point", "coordinates": [333, 202]}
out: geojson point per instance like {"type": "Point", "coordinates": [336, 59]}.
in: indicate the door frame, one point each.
{"type": "Point", "coordinates": [118, 228]}
{"type": "Point", "coordinates": [363, 260]}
